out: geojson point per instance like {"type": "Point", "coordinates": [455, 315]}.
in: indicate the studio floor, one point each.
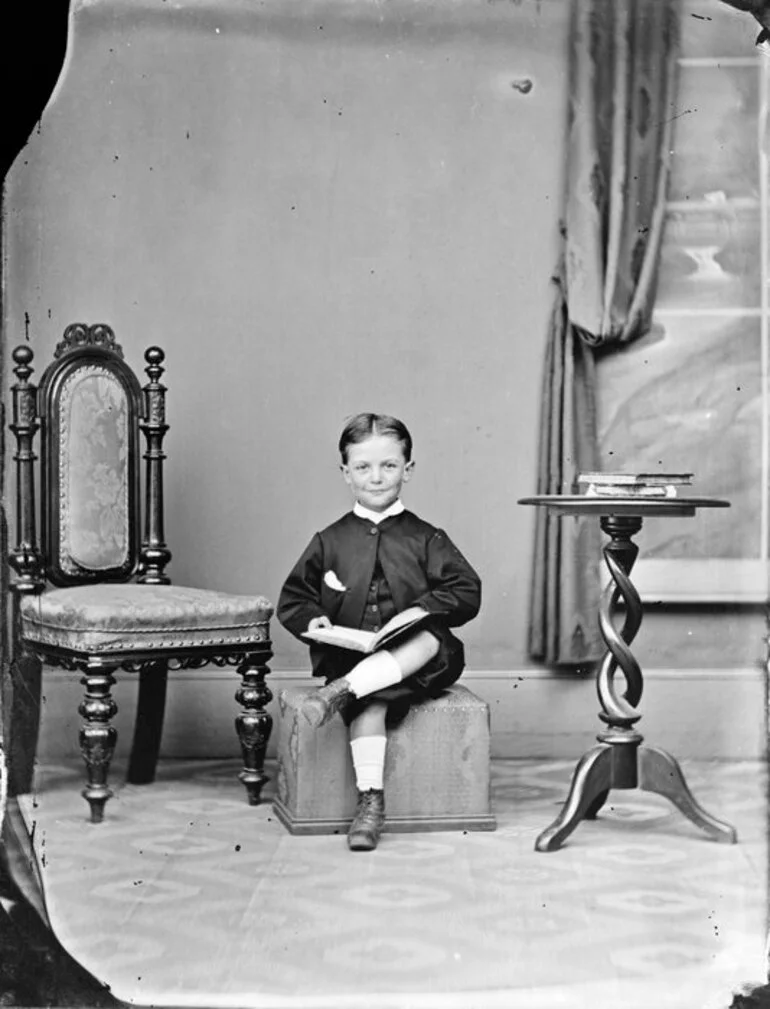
{"type": "Point", "coordinates": [186, 896]}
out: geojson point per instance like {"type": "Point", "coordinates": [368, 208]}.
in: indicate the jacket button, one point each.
{"type": "Point", "coordinates": [373, 530]}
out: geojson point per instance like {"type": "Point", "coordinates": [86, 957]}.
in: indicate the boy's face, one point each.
{"type": "Point", "coordinates": [375, 471]}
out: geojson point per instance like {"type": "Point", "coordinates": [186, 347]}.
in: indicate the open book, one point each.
{"type": "Point", "coordinates": [369, 641]}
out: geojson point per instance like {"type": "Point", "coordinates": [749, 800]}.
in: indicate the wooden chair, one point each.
{"type": "Point", "coordinates": [93, 595]}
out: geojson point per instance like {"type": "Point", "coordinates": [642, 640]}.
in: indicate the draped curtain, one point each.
{"type": "Point", "coordinates": [622, 87]}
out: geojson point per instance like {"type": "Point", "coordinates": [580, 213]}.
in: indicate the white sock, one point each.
{"type": "Point", "coordinates": [369, 761]}
{"type": "Point", "coordinates": [373, 673]}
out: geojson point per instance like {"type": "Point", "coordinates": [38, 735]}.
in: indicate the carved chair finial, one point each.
{"type": "Point", "coordinates": [154, 356]}
{"type": "Point", "coordinates": [23, 356]}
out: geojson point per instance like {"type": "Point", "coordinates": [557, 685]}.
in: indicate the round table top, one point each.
{"type": "Point", "coordinates": [583, 504]}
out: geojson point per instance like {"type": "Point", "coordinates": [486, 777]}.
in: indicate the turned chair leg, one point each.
{"type": "Point", "coordinates": [148, 727]}
{"type": "Point", "coordinates": [253, 724]}
{"type": "Point", "coordinates": [97, 736]}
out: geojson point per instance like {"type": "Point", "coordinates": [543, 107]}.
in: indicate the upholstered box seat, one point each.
{"type": "Point", "coordinates": [107, 619]}
{"type": "Point", "coordinates": [436, 768]}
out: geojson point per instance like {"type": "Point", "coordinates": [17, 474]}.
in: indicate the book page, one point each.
{"type": "Point", "coordinates": [406, 618]}
{"type": "Point", "coordinates": [343, 637]}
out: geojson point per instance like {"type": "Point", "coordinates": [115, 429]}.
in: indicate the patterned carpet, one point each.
{"type": "Point", "coordinates": [186, 896]}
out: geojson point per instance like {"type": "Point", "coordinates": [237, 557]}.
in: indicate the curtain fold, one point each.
{"type": "Point", "coordinates": [622, 86]}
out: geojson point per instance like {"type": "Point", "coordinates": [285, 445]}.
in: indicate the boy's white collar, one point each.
{"type": "Point", "coordinates": [366, 513]}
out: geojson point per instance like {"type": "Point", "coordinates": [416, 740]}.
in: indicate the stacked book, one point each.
{"type": "Point", "coordinates": [633, 485]}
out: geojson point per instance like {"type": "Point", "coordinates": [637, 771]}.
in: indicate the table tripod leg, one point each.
{"type": "Point", "coordinates": [591, 779]}
{"type": "Point", "coordinates": [659, 772]}
{"type": "Point", "coordinates": [596, 805]}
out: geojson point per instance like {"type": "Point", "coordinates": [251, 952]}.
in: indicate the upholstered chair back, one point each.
{"type": "Point", "coordinates": [89, 405]}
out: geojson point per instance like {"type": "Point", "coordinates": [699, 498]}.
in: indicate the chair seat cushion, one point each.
{"type": "Point", "coordinates": [139, 618]}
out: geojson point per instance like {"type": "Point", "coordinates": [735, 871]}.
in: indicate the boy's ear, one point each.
{"type": "Point", "coordinates": [345, 472]}
{"type": "Point", "coordinates": [408, 469]}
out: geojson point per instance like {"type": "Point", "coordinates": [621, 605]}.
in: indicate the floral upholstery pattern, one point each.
{"type": "Point", "coordinates": [93, 471]}
{"type": "Point", "coordinates": [112, 618]}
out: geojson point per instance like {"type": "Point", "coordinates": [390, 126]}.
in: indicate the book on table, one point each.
{"type": "Point", "coordinates": [653, 485]}
{"type": "Point", "coordinates": [369, 641]}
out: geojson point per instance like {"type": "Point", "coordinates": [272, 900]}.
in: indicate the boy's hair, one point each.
{"type": "Point", "coordinates": [364, 425]}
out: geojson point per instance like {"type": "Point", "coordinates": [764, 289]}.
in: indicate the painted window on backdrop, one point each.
{"type": "Point", "coordinates": [692, 396]}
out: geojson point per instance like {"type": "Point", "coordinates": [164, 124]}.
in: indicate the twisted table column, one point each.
{"type": "Point", "coordinates": [620, 761]}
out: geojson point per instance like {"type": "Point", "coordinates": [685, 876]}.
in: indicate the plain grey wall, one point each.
{"type": "Point", "coordinates": [318, 208]}
{"type": "Point", "coordinates": [315, 209]}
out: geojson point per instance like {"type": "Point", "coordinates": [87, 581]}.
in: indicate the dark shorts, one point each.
{"type": "Point", "coordinates": [430, 681]}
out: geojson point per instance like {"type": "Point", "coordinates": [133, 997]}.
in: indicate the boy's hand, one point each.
{"type": "Point", "coordinates": [317, 622]}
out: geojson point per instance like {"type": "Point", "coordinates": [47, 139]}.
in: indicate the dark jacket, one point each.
{"type": "Point", "coordinates": [421, 565]}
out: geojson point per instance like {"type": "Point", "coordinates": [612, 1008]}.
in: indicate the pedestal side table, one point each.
{"type": "Point", "coordinates": [619, 760]}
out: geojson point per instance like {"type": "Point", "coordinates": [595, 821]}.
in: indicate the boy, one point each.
{"type": "Point", "coordinates": [376, 561]}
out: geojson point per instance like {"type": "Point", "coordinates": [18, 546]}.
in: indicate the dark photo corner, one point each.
{"type": "Point", "coordinates": [34, 969]}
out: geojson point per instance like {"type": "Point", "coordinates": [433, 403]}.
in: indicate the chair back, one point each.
{"type": "Point", "coordinates": [89, 404]}
{"type": "Point", "coordinates": [89, 407]}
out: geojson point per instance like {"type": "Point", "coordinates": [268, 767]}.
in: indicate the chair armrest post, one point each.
{"type": "Point", "coordinates": [154, 555]}
{"type": "Point", "coordinates": [25, 558]}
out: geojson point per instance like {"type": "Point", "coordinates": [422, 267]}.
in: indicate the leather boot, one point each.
{"type": "Point", "coordinates": [365, 830]}
{"type": "Point", "coordinates": [319, 707]}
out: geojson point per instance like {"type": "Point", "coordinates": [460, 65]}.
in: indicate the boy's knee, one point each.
{"type": "Point", "coordinates": [434, 644]}
{"type": "Point", "coordinates": [426, 646]}
{"type": "Point", "coordinates": [415, 653]}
